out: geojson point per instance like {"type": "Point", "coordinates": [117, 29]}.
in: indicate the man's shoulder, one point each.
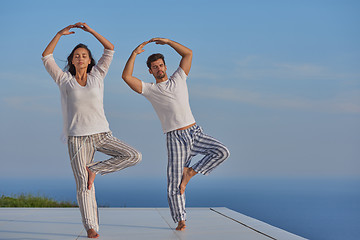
{"type": "Point", "coordinates": [179, 73]}
{"type": "Point", "coordinates": [148, 84]}
{"type": "Point", "coordinates": [146, 87]}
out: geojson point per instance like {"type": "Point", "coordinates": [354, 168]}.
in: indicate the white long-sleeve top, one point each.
{"type": "Point", "coordinates": [82, 106]}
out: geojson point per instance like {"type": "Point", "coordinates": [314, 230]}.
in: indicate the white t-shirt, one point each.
{"type": "Point", "coordinates": [82, 106]}
{"type": "Point", "coordinates": [170, 100]}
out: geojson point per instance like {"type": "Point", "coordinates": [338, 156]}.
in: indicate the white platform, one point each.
{"type": "Point", "coordinates": [135, 224]}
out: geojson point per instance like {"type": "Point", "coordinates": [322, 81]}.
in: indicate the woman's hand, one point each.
{"type": "Point", "coordinates": [51, 46]}
{"type": "Point", "coordinates": [84, 27]}
{"type": "Point", "coordinates": [106, 43]}
{"type": "Point", "coordinates": [66, 30]}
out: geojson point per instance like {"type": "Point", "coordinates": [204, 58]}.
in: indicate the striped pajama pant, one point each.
{"type": "Point", "coordinates": [182, 146]}
{"type": "Point", "coordinates": [81, 151]}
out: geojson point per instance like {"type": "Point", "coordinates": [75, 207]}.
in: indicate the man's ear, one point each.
{"type": "Point", "coordinates": [150, 71]}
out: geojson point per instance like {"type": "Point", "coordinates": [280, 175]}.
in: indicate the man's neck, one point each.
{"type": "Point", "coordinates": [160, 80]}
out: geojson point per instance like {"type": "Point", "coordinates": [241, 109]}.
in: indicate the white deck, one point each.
{"type": "Point", "coordinates": [135, 224]}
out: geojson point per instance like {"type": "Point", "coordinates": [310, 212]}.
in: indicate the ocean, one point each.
{"type": "Point", "coordinates": [318, 209]}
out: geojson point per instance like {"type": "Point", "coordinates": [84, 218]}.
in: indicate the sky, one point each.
{"type": "Point", "coordinates": [278, 82]}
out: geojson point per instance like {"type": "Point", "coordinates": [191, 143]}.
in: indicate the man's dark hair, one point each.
{"type": "Point", "coordinates": [153, 58]}
{"type": "Point", "coordinates": [71, 68]}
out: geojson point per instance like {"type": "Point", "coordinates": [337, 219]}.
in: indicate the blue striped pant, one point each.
{"type": "Point", "coordinates": [81, 151]}
{"type": "Point", "coordinates": [182, 146]}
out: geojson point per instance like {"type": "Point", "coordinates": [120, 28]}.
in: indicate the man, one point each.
{"type": "Point", "coordinates": [185, 139]}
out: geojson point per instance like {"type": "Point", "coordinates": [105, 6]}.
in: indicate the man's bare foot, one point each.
{"type": "Point", "coordinates": [91, 233]}
{"type": "Point", "coordinates": [181, 226]}
{"type": "Point", "coordinates": [91, 178]}
{"type": "Point", "coordinates": [187, 175]}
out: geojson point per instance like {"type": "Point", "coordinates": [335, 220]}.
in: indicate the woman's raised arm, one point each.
{"type": "Point", "coordinates": [51, 46]}
{"type": "Point", "coordinates": [106, 43]}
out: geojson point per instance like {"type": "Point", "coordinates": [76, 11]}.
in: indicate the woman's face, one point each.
{"type": "Point", "coordinates": [81, 59]}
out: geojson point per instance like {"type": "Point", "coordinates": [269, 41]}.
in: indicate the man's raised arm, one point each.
{"type": "Point", "coordinates": [133, 82]}
{"type": "Point", "coordinates": [185, 53]}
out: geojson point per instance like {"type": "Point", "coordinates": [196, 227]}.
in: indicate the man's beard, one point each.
{"type": "Point", "coordinates": [160, 76]}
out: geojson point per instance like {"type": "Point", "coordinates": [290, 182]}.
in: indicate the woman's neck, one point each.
{"type": "Point", "coordinates": [81, 76]}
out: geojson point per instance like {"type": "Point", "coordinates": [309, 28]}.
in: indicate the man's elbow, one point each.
{"type": "Point", "coordinates": [125, 77]}
{"type": "Point", "coordinates": [190, 52]}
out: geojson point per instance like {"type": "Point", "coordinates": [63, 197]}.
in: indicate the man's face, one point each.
{"type": "Point", "coordinates": [158, 69]}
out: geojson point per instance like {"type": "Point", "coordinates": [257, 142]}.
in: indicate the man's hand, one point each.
{"type": "Point", "coordinates": [161, 41]}
{"type": "Point", "coordinates": [185, 53]}
{"type": "Point", "coordinates": [139, 49]}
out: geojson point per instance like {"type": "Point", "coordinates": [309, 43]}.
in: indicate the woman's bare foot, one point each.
{"type": "Point", "coordinates": [181, 226]}
{"type": "Point", "coordinates": [91, 178]}
{"type": "Point", "coordinates": [91, 233]}
{"type": "Point", "coordinates": [187, 175]}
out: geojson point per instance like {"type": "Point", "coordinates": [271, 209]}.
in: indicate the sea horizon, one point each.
{"type": "Point", "coordinates": [314, 208]}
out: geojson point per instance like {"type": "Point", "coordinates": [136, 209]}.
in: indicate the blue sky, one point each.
{"type": "Point", "coordinates": [277, 81]}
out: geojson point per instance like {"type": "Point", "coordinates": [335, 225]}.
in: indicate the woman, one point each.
{"type": "Point", "coordinates": [85, 124]}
